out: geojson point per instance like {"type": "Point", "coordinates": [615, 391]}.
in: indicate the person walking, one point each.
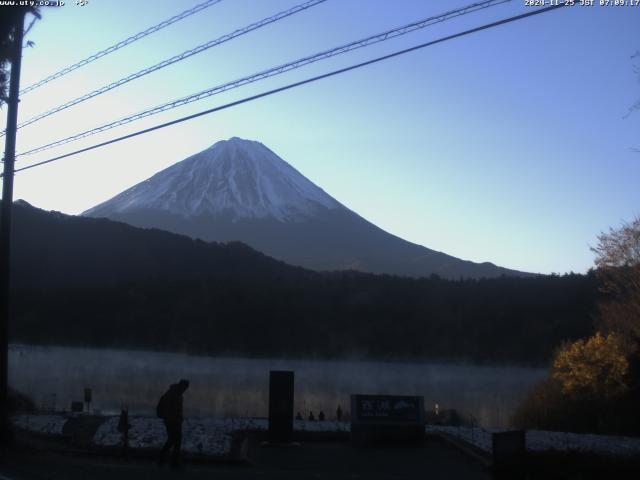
{"type": "Point", "coordinates": [169, 409]}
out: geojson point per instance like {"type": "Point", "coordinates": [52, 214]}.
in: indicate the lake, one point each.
{"type": "Point", "coordinates": [231, 387]}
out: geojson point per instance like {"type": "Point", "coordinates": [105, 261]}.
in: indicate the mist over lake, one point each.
{"type": "Point", "coordinates": [229, 387]}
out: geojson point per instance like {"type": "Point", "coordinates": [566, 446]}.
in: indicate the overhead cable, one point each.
{"type": "Point", "coordinates": [119, 45]}
{"type": "Point", "coordinates": [177, 58]}
{"type": "Point", "coordinates": [377, 38]}
{"type": "Point", "coordinates": [298, 84]}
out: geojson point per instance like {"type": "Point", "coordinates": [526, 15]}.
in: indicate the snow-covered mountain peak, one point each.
{"type": "Point", "coordinates": [236, 177]}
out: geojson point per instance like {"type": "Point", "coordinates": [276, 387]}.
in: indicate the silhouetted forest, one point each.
{"type": "Point", "coordinates": [96, 282]}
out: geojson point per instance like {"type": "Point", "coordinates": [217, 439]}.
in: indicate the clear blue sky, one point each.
{"type": "Point", "coordinates": [507, 146]}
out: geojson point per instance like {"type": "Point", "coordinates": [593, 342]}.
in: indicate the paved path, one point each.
{"type": "Point", "coordinates": [309, 461]}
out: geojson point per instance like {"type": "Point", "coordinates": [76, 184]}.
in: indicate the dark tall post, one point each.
{"type": "Point", "coordinates": [5, 223]}
{"type": "Point", "coordinates": [280, 406]}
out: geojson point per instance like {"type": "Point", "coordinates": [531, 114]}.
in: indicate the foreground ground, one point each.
{"type": "Point", "coordinates": [213, 437]}
{"type": "Point", "coordinates": [317, 460]}
{"type": "Point", "coordinates": [318, 455]}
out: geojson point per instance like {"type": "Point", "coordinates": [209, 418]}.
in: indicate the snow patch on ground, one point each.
{"type": "Point", "coordinates": [203, 436]}
{"type": "Point", "coordinates": [325, 426]}
{"type": "Point", "coordinates": [212, 436]}
{"type": "Point", "coordinates": [538, 440]}
{"type": "Point", "coordinates": [49, 424]}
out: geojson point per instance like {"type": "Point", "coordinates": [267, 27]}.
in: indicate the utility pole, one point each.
{"type": "Point", "coordinates": [5, 223]}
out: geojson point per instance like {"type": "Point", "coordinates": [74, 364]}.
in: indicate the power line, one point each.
{"type": "Point", "coordinates": [380, 37]}
{"type": "Point", "coordinates": [300, 83]}
{"type": "Point", "coordinates": [119, 45]}
{"type": "Point", "coordinates": [177, 58]}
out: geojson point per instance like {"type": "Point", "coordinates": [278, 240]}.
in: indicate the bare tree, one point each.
{"type": "Point", "coordinates": [618, 263]}
{"type": "Point", "coordinates": [8, 15]}
{"type": "Point", "coordinates": [636, 106]}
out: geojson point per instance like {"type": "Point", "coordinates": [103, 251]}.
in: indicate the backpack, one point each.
{"type": "Point", "coordinates": [161, 409]}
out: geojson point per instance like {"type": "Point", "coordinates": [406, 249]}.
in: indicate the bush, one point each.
{"type": "Point", "coordinates": [544, 407]}
{"type": "Point", "coordinates": [586, 391]}
{"type": "Point", "coordinates": [594, 368]}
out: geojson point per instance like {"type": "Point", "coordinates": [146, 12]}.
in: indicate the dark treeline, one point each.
{"type": "Point", "coordinates": [95, 282]}
{"type": "Point", "coordinates": [501, 320]}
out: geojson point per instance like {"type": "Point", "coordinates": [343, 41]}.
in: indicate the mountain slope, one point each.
{"type": "Point", "coordinates": [240, 190]}
{"type": "Point", "coordinates": [53, 251]}
{"type": "Point", "coordinates": [236, 179]}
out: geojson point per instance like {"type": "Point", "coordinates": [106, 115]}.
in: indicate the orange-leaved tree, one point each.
{"type": "Point", "coordinates": [594, 383]}
{"type": "Point", "coordinates": [595, 367]}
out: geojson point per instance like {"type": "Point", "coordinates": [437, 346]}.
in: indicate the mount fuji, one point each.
{"type": "Point", "coordinates": [240, 190]}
